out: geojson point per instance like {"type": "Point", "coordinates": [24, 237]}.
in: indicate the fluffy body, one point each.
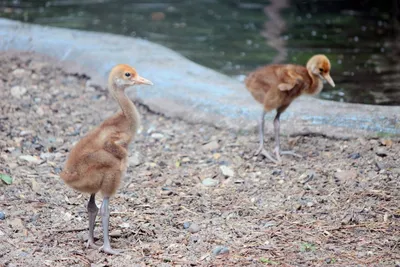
{"type": "Point", "coordinates": [276, 86]}
{"type": "Point", "coordinates": [99, 160]}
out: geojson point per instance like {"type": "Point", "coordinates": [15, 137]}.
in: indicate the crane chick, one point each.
{"type": "Point", "coordinates": [99, 160]}
{"type": "Point", "coordinates": [276, 86]}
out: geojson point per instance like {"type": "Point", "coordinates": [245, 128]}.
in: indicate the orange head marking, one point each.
{"type": "Point", "coordinates": [319, 65]}
{"type": "Point", "coordinates": [124, 75]}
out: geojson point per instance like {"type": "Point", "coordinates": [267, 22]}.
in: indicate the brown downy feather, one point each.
{"type": "Point", "coordinates": [98, 161]}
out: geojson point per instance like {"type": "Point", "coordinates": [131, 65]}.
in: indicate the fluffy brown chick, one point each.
{"type": "Point", "coordinates": [276, 86]}
{"type": "Point", "coordinates": [99, 160]}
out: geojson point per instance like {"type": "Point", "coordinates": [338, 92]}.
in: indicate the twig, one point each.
{"type": "Point", "coordinates": [352, 226]}
{"type": "Point", "coordinates": [183, 207]}
{"type": "Point", "coordinates": [71, 230]}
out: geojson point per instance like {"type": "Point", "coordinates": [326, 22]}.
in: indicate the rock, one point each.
{"type": "Point", "coordinates": [354, 155]}
{"type": "Point", "coordinates": [135, 159]}
{"type": "Point", "coordinates": [395, 170]}
{"type": "Point", "coordinates": [193, 228]}
{"type": "Point", "coordinates": [380, 165]}
{"type": "Point", "coordinates": [310, 204]}
{"type": "Point", "coordinates": [213, 145]}
{"type": "Point", "coordinates": [19, 73]}
{"type": "Point", "coordinates": [227, 171]}
{"type": "Point", "coordinates": [29, 158]}
{"type": "Point", "coordinates": [186, 225]}
{"type": "Point", "coordinates": [381, 152]}
{"type": "Point", "coordinates": [16, 224]}
{"type": "Point", "coordinates": [124, 225]}
{"type": "Point", "coordinates": [276, 172]}
{"type": "Point", "coordinates": [2, 216]}
{"type": "Point", "coordinates": [40, 111]}
{"type": "Point", "coordinates": [306, 177]}
{"type": "Point", "coordinates": [47, 156]}
{"type": "Point", "coordinates": [35, 186]}
{"type": "Point", "coordinates": [218, 250]}
{"type": "Point", "coordinates": [26, 133]}
{"type": "Point", "coordinates": [116, 233]}
{"type": "Point", "coordinates": [67, 216]}
{"type": "Point", "coordinates": [362, 141]}
{"type": "Point", "coordinates": [185, 160]}
{"type": "Point", "coordinates": [210, 182]}
{"type": "Point", "coordinates": [166, 193]}
{"type": "Point", "coordinates": [373, 142]}
{"type": "Point", "coordinates": [157, 136]}
{"type": "Point", "coordinates": [23, 254]}
{"type": "Point", "coordinates": [269, 224]}
{"type": "Point", "coordinates": [18, 91]}
{"type": "Point", "coordinates": [346, 175]}
{"type": "Point", "coordinates": [216, 156]}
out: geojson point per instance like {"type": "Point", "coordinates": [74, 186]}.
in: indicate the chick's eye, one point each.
{"type": "Point", "coordinates": [127, 74]}
{"type": "Point", "coordinates": [321, 70]}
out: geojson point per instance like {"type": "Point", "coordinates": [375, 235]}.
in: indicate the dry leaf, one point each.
{"type": "Point", "coordinates": [387, 142]}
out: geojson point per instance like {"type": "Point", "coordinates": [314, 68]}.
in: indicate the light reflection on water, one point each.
{"type": "Point", "coordinates": [235, 37]}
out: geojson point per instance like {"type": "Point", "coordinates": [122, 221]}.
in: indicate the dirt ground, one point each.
{"type": "Point", "coordinates": [193, 195]}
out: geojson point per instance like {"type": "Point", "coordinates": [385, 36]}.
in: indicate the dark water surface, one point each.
{"type": "Point", "coordinates": [235, 37]}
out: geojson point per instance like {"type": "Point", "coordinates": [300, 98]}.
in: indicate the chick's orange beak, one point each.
{"type": "Point", "coordinates": [141, 80]}
{"type": "Point", "coordinates": [328, 78]}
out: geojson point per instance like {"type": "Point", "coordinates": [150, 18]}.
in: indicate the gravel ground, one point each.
{"type": "Point", "coordinates": [194, 195]}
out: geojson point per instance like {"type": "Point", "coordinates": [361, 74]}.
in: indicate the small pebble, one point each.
{"type": "Point", "coordinates": [186, 225]}
{"type": "Point", "coordinates": [157, 136]}
{"type": "Point", "coordinates": [276, 172]}
{"type": "Point", "coordinates": [29, 158]}
{"type": "Point", "coordinates": [18, 91]}
{"type": "Point", "coordinates": [19, 73]}
{"type": "Point", "coordinates": [135, 159]}
{"type": "Point", "coordinates": [220, 250]}
{"type": "Point", "coordinates": [354, 155]}
{"type": "Point", "coordinates": [2, 216]}
{"type": "Point", "coordinates": [116, 233]}
{"type": "Point", "coordinates": [381, 152]}
{"type": "Point", "coordinates": [346, 174]}
{"type": "Point", "coordinates": [193, 228]}
{"type": "Point", "coordinates": [380, 165]}
{"type": "Point", "coordinates": [269, 224]}
{"type": "Point", "coordinates": [213, 145]}
{"type": "Point", "coordinates": [23, 254]}
{"type": "Point", "coordinates": [210, 182]}
{"type": "Point", "coordinates": [26, 133]}
{"type": "Point", "coordinates": [227, 171]}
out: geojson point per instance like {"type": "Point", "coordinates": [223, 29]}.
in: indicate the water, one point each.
{"type": "Point", "coordinates": [235, 37]}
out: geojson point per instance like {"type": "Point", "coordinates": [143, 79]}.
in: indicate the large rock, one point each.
{"type": "Point", "coordinates": [187, 90]}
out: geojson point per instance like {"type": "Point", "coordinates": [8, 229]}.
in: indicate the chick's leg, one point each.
{"type": "Point", "coordinates": [105, 219]}
{"type": "Point", "coordinates": [92, 213]}
{"type": "Point", "coordinates": [278, 151]}
{"type": "Point", "coordinates": [261, 150]}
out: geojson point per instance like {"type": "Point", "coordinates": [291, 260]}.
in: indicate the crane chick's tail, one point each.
{"type": "Point", "coordinates": [68, 176]}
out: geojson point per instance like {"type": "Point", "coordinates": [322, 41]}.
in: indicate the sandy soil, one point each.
{"type": "Point", "coordinates": [338, 206]}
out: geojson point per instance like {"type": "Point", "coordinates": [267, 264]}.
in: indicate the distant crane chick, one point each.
{"type": "Point", "coordinates": [276, 86]}
{"type": "Point", "coordinates": [99, 160]}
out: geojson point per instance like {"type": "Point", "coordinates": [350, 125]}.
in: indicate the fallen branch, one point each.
{"type": "Point", "coordinates": [71, 230]}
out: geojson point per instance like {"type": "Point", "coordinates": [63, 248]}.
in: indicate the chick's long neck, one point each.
{"type": "Point", "coordinates": [316, 83]}
{"type": "Point", "coordinates": [128, 108]}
